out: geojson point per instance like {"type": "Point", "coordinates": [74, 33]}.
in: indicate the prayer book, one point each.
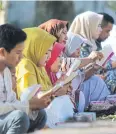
{"type": "Point", "coordinates": [108, 53]}
{"type": "Point", "coordinates": [30, 92]}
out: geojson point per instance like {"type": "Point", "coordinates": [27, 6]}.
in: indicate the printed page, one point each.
{"type": "Point", "coordinates": [30, 92]}
{"type": "Point", "coordinates": [108, 53]}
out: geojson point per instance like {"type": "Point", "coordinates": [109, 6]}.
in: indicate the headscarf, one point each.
{"type": "Point", "coordinates": [48, 25]}
{"type": "Point", "coordinates": [57, 49]}
{"type": "Point", "coordinates": [73, 43]}
{"type": "Point", "coordinates": [85, 25]}
{"type": "Point", "coordinates": [53, 25]}
{"type": "Point", "coordinates": [36, 45]}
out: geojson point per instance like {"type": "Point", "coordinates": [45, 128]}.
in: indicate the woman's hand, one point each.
{"type": "Point", "coordinates": [94, 55]}
{"type": "Point", "coordinates": [41, 101]}
{"type": "Point", "coordinates": [64, 90]}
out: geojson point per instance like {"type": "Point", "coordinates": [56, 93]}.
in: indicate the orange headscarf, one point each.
{"type": "Point", "coordinates": [54, 26]}
{"type": "Point", "coordinates": [50, 24]}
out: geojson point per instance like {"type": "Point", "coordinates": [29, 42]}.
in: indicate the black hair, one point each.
{"type": "Point", "coordinates": [10, 36]}
{"type": "Point", "coordinates": [106, 19]}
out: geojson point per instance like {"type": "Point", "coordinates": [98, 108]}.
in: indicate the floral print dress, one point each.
{"type": "Point", "coordinates": [110, 72]}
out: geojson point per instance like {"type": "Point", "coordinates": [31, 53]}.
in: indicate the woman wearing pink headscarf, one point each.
{"type": "Point", "coordinates": [54, 63]}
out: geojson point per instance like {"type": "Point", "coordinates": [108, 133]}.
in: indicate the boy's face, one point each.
{"type": "Point", "coordinates": [12, 58]}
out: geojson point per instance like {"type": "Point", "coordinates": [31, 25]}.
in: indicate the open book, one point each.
{"type": "Point", "coordinates": [30, 92]}
{"type": "Point", "coordinates": [70, 75]}
{"type": "Point", "coordinates": [68, 62]}
{"type": "Point", "coordinates": [108, 53]}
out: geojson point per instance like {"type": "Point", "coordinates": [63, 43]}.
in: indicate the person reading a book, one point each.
{"type": "Point", "coordinates": [85, 31]}
{"type": "Point", "coordinates": [15, 115]}
{"type": "Point", "coordinates": [100, 91]}
{"type": "Point", "coordinates": [105, 38]}
{"type": "Point", "coordinates": [72, 44]}
{"type": "Point", "coordinates": [31, 69]}
{"type": "Point", "coordinates": [54, 63]}
{"type": "Point", "coordinates": [88, 26]}
{"type": "Point", "coordinates": [110, 68]}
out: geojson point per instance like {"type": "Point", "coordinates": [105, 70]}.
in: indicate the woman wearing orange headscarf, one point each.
{"type": "Point", "coordinates": [57, 28]}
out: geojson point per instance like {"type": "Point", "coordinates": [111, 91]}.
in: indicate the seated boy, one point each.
{"type": "Point", "coordinates": [14, 114]}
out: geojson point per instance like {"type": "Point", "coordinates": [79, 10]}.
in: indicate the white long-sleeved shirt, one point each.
{"type": "Point", "coordinates": [8, 101]}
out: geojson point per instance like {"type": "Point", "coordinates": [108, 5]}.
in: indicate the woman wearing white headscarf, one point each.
{"type": "Point", "coordinates": [88, 26]}
{"type": "Point", "coordinates": [91, 93]}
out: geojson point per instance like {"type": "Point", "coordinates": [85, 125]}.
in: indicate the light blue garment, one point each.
{"type": "Point", "coordinates": [94, 89]}
{"type": "Point", "coordinates": [16, 122]}
{"type": "Point", "coordinates": [59, 110]}
{"type": "Point", "coordinates": [39, 122]}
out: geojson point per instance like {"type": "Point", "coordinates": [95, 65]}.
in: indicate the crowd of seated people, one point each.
{"type": "Point", "coordinates": [41, 57]}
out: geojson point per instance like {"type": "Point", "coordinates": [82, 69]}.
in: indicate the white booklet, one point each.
{"type": "Point", "coordinates": [70, 75]}
{"type": "Point", "coordinates": [108, 53]}
{"type": "Point", "coordinates": [68, 62]}
{"type": "Point", "coordinates": [30, 92]}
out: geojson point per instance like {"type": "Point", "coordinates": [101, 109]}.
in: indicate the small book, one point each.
{"type": "Point", "coordinates": [68, 62]}
{"type": "Point", "coordinates": [70, 75]}
{"type": "Point", "coordinates": [58, 85]}
{"type": "Point", "coordinates": [30, 92]}
{"type": "Point", "coordinates": [108, 53]}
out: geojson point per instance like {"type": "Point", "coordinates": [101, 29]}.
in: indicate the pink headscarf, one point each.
{"type": "Point", "coordinates": [57, 49]}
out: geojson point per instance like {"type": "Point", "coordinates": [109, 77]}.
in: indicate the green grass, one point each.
{"type": "Point", "coordinates": [109, 117]}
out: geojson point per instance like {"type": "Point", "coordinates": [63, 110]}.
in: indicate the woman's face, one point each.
{"type": "Point", "coordinates": [45, 58]}
{"type": "Point", "coordinates": [96, 34]}
{"type": "Point", "coordinates": [56, 65]}
{"type": "Point", "coordinates": [63, 35]}
{"type": "Point", "coordinates": [76, 53]}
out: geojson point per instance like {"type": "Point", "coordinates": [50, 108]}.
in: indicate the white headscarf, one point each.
{"type": "Point", "coordinates": [73, 43]}
{"type": "Point", "coordinates": [85, 24]}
